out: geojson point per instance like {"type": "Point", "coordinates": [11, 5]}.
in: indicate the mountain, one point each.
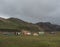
{"type": "Point", "coordinates": [15, 23]}
{"type": "Point", "coordinates": [47, 26]}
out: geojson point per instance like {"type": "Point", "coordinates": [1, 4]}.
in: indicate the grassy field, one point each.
{"type": "Point", "coordinates": [30, 41]}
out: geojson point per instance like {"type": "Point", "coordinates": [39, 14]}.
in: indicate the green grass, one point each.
{"type": "Point", "coordinates": [30, 41]}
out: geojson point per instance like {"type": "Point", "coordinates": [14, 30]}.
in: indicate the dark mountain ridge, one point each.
{"type": "Point", "coordinates": [47, 26]}
{"type": "Point", "coordinates": [15, 23]}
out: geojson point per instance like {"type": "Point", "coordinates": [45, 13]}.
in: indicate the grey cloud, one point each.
{"type": "Point", "coordinates": [31, 10]}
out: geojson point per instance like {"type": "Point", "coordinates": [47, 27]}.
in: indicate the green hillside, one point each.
{"type": "Point", "coordinates": [14, 23]}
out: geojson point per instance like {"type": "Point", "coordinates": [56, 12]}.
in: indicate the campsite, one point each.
{"type": "Point", "coordinates": [29, 23]}
{"type": "Point", "coordinates": [17, 33]}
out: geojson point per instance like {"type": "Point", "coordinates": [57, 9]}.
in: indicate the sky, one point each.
{"type": "Point", "coordinates": [31, 10]}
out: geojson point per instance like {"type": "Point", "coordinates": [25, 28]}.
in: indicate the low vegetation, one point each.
{"type": "Point", "coordinates": [30, 41]}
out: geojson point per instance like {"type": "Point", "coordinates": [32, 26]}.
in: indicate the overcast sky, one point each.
{"type": "Point", "coordinates": [31, 10]}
